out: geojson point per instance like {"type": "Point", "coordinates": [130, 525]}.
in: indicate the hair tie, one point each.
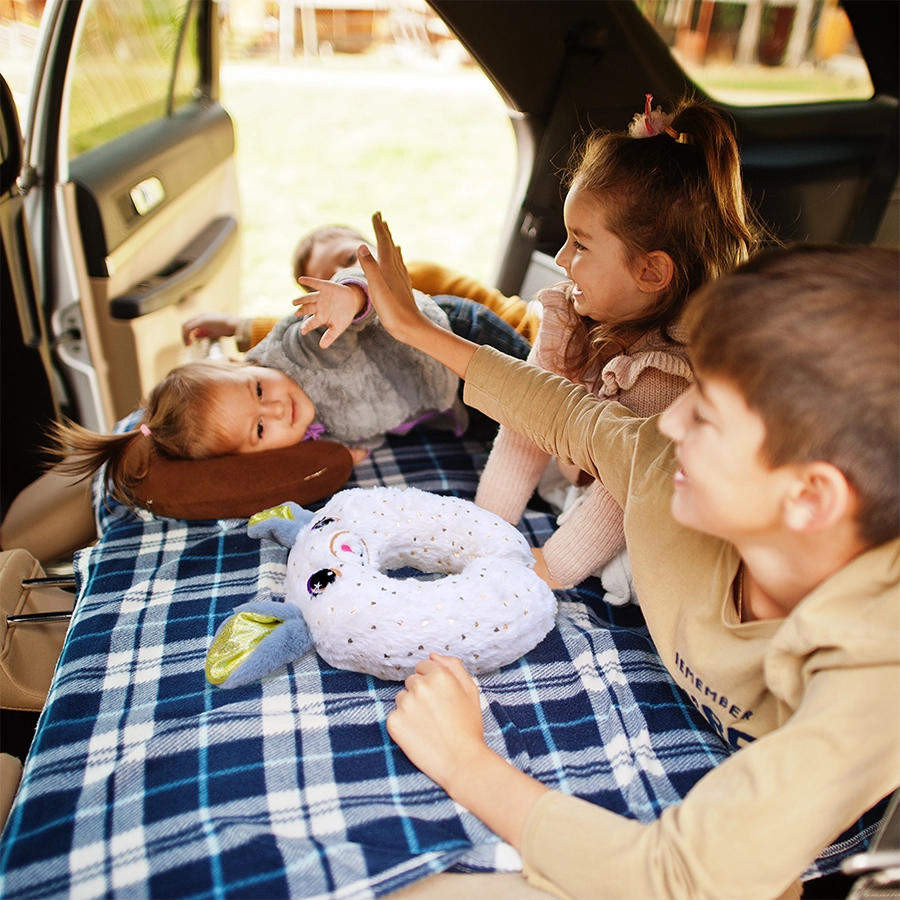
{"type": "Point", "coordinates": [680, 137]}
{"type": "Point", "coordinates": [145, 431]}
{"type": "Point", "coordinates": [652, 122]}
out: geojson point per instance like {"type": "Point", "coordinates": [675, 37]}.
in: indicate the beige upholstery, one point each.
{"type": "Point", "coordinates": [476, 886]}
{"type": "Point", "coordinates": [28, 652]}
{"type": "Point", "coordinates": [10, 776]}
{"type": "Point", "coordinates": [51, 518]}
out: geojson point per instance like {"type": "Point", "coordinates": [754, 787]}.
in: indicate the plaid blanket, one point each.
{"type": "Point", "coordinates": [145, 781]}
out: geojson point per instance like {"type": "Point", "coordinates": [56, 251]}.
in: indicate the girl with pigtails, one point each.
{"type": "Point", "coordinates": [328, 371]}
{"type": "Point", "coordinates": [651, 214]}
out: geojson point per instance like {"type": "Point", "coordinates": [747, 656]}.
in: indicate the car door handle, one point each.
{"type": "Point", "coordinates": [187, 272]}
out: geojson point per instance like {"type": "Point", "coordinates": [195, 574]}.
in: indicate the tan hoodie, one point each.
{"type": "Point", "coordinates": [811, 701]}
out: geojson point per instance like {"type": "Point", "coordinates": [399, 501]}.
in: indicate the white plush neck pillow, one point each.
{"type": "Point", "coordinates": [489, 609]}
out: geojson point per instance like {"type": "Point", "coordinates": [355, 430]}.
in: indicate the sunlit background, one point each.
{"type": "Point", "coordinates": [344, 107]}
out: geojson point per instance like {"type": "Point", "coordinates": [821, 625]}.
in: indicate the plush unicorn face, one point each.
{"type": "Point", "coordinates": [385, 576]}
{"type": "Point", "coordinates": [483, 601]}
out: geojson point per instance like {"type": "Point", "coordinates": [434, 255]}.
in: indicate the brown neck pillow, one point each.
{"type": "Point", "coordinates": [236, 487]}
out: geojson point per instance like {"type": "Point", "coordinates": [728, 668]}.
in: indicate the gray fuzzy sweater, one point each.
{"type": "Point", "coordinates": [366, 383]}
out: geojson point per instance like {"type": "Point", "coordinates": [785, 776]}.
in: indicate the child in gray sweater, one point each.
{"type": "Point", "coordinates": [365, 383]}
{"type": "Point", "coordinates": [331, 371]}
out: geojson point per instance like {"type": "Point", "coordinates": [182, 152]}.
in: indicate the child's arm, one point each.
{"type": "Point", "coordinates": [247, 333]}
{"type": "Point", "coordinates": [516, 464]}
{"type": "Point", "coordinates": [437, 724]}
{"type": "Point", "coordinates": [392, 296]}
{"type": "Point", "coordinates": [209, 325]}
{"type": "Point", "coordinates": [765, 802]}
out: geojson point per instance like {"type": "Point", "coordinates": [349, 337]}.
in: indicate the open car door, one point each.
{"type": "Point", "coordinates": [24, 355]}
{"type": "Point", "coordinates": [123, 220]}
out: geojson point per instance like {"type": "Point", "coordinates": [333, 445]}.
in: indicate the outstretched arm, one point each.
{"type": "Point", "coordinates": [437, 724]}
{"type": "Point", "coordinates": [391, 294]}
{"type": "Point", "coordinates": [209, 325]}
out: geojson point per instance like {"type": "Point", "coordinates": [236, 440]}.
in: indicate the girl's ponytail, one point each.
{"type": "Point", "coordinates": [712, 133]}
{"type": "Point", "coordinates": [80, 452]}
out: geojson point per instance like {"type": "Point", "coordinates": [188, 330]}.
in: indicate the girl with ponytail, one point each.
{"type": "Point", "coordinates": [652, 213]}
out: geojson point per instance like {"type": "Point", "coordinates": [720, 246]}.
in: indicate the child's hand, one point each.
{"type": "Point", "coordinates": [330, 304]}
{"type": "Point", "coordinates": [437, 724]}
{"type": "Point", "coordinates": [209, 325]}
{"type": "Point", "coordinates": [437, 719]}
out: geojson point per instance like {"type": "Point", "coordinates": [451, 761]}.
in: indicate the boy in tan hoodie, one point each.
{"type": "Point", "coordinates": [761, 516]}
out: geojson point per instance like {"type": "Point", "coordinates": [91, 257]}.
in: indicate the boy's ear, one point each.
{"type": "Point", "coordinates": [657, 270]}
{"type": "Point", "coordinates": [821, 499]}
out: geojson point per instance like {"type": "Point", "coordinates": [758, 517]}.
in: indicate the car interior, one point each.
{"type": "Point", "coordinates": [116, 226]}
{"type": "Point", "coordinates": [816, 172]}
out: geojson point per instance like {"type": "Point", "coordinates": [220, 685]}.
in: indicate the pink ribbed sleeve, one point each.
{"type": "Point", "coordinates": [646, 380]}
{"type": "Point", "coordinates": [516, 464]}
{"type": "Point", "coordinates": [593, 532]}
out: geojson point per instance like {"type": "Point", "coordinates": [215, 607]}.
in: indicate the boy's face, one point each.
{"type": "Point", "coordinates": [724, 487]}
{"type": "Point", "coordinates": [329, 256]}
{"type": "Point", "coordinates": [261, 409]}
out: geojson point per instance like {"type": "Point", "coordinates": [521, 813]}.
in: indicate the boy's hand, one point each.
{"type": "Point", "coordinates": [437, 719]}
{"type": "Point", "coordinates": [209, 325]}
{"type": "Point", "coordinates": [389, 286]}
{"type": "Point", "coordinates": [391, 295]}
{"type": "Point", "coordinates": [330, 304]}
{"type": "Point", "coordinates": [437, 723]}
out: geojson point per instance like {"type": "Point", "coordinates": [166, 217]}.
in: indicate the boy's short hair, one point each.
{"type": "Point", "coordinates": [304, 248]}
{"type": "Point", "coordinates": [810, 336]}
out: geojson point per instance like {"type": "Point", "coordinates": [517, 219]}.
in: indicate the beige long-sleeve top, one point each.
{"type": "Point", "coordinates": [646, 379]}
{"type": "Point", "coordinates": [812, 701]}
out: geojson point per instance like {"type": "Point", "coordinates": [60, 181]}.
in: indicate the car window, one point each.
{"type": "Point", "coordinates": [134, 62]}
{"type": "Point", "coordinates": [764, 53]}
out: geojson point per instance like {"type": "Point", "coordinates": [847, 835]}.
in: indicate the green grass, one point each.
{"type": "Point", "coordinates": [335, 140]}
{"type": "Point", "coordinates": [747, 84]}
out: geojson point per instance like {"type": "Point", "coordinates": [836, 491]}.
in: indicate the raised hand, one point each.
{"type": "Point", "coordinates": [330, 304]}
{"type": "Point", "coordinates": [392, 296]}
{"type": "Point", "coordinates": [389, 285]}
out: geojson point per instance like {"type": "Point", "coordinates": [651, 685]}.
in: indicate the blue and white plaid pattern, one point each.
{"type": "Point", "coordinates": [145, 781]}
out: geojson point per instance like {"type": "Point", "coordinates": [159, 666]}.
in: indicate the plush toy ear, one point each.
{"type": "Point", "coordinates": [280, 523]}
{"type": "Point", "coordinates": [258, 639]}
